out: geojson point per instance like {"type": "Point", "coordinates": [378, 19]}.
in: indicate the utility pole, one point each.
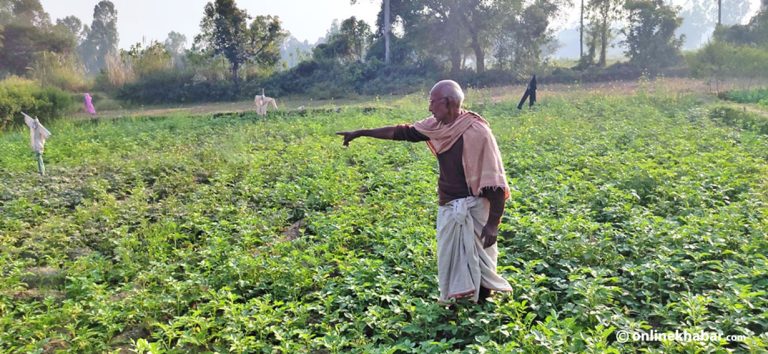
{"type": "Point", "coordinates": [387, 30]}
{"type": "Point", "coordinates": [719, 12]}
{"type": "Point", "coordinates": [581, 33]}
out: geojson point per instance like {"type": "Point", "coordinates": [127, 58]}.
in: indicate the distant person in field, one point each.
{"type": "Point", "coordinates": [472, 188]}
{"type": "Point", "coordinates": [88, 103]}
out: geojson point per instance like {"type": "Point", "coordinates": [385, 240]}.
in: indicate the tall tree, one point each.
{"type": "Point", "coordinates": [6, 11]}
{"type": "Point", "coordinates": [435, 29]}
{"type": "Point", "coordinates": [452, 30]}
{"type": "Point", "coordinates": [101, 37]}
{"type": "Point", "coordinates": [24, 12]}
{"type": "Point", "coordinates": [175, 43]}
{"type": "Point", "coordinates": [72, 26]}
{"type": "Point", "coordinates": [603, 14]}
{"type": "Point", "coordinates": [225, 32]}
{"type": "Point", "coordinates": [265, 36]}
{"type": "Point", "coordinates": [148, 61]}
{"type": "Point", "coordinates": [26, 33]}
{"type": "Point", "coordinates": [525, 36]}
{"type": "Point", "coordinates": [175, 46]}
{"type": "Point", "coordinates": [408, 45]}
{"type": "Point", "coordinates": [386, 28]}
{"type": "Point", "coordinates": [700, 19]}
{"type": "Point", "coordinates": [5, 15]}
{"type": "Point", "coordinates": [480, 17]}
{"type": "Point", "coordinates": [754, 33]}
{"type": "Point", "coordinates": [348, 44]}
{"type": "Point", "coordinates": [293, 51]}
{"type": "Point", "coordinates": [651, 41]}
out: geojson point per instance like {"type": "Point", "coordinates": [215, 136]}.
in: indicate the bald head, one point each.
{"type": "Point", "coordinates": [449, 89]}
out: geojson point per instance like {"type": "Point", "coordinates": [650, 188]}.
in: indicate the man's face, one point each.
{"type": "Point", "coordinates": [438, 105]}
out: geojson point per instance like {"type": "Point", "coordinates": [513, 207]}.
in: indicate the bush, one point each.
{"type": "Point", "coordinates": [321, 79]}
{"type": "Point", "coordinates": [59, 70]}
{"type": "Point", "coordinates": [20, 95]}
{"type": "Point", "coordinates": [740, 119]}
{"type": "Point", "coordinates": [566, 75]}
{"type": "Point", "coordinates": [334, 79]}
{"type": "Point", "coordinates": [721, 60]}
{"type": "Point", "coordinates": [104, 103]}
{"type": "Point", "coordinates": [747, 96]}
{"type": "Point", "coordinates": [176, 87]}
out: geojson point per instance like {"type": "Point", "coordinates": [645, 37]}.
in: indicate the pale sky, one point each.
{"type": "Point", "coordinates": [153, 19]}
{"type": "Point", "coordinates": [147, 20]}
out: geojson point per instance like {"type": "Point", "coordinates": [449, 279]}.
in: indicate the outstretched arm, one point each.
{"type": "Point", "coordinates": [387, 133]}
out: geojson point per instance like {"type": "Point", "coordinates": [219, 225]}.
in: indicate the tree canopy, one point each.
{"type": "Point", "coordinates": [225, 32]}
{"type": "Point", "coordinates": [25, 33]}
{"type": "Point", "coordinates": [651, 41]}
{"type": "Point", "coordinates": [101, 37]}
{"type": "Point", "coordinates": [349, 43]}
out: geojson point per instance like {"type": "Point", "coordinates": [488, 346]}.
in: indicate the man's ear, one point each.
{"type": "Point", "coordinates": [453, 105]}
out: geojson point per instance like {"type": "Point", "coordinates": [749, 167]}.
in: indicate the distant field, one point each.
{"type": "Point", "coordinates": [635, 207]}
{"type": "Point", "coordinates": [495, 94]}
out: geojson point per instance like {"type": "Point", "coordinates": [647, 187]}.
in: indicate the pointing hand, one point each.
{"type": "Point", "coordinates": [348, 136]}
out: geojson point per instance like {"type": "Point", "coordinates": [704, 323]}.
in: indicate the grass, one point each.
{"type": "Point", "coordinates": [240, 233]}
{"type": "Point", "coordinates": [758, 95]}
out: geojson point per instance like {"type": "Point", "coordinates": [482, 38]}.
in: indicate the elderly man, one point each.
{"type": "Point", "coordinates": [472, 188]}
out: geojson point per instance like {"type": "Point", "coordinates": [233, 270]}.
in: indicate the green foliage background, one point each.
{"type": "Point", "coordinates": [240, 233]}
{"type": "Point", "coordinates": [20, 95]}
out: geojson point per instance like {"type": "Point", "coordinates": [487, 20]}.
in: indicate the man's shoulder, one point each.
{"type": "Point", "coordinates": [475, 114]}
{"type": "Point", "coordinates": [479, 126]}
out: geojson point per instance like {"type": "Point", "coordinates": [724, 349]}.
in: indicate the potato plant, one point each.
{"type": "Point", "coordinates": [247, 234]}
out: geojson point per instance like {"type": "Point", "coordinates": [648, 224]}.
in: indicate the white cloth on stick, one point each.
{"type": "Point", "coordinates": [463, 265]}
{"type": "Point", "coordinates": [262, 102]}
{"type": "Point", "coordinates": [37, 132]}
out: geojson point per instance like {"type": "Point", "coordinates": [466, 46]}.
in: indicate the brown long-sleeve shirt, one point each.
{"type": "Point", "coordinates": [452, 183]}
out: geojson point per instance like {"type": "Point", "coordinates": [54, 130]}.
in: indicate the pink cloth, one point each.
{"type": "Point", "coordinates": [88, 104]}
{"type": "Point", "coordinates": [481, 156]}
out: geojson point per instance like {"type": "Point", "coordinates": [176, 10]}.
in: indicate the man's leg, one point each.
{"type": "Point", "coordinates": [484, 294]}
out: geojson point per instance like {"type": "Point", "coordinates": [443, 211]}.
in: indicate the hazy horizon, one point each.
{"type": "Point", "coordinates": [142, 21]}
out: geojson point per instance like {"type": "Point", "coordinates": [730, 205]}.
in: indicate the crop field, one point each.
{"type": "Point", "coordinates": [629, 214]}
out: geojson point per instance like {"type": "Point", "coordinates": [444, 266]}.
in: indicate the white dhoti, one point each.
{"type": "Point", "coordinates": [463, 265]}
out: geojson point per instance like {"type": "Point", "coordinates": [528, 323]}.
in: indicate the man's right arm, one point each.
{"type": "Point", "coordinates": [378, 133]}
{"type": "Point", "coordinates": [405, 132]}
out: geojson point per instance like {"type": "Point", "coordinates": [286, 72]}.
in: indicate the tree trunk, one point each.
{"type": "Point", "coordinates": [479, 57]}
{"type": "Point", "coordinates": [235, 76]}
{"type": "Point", "coordinates": [455, 61]}
{"type": "Point", "coordinates": [592, 49]}
{"type": "Point", "coordinates": [453, 29]}
{"type": "Point", "coordinates": [479, 53]}
{"type": "Point", "coordinates": [603, 43]}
